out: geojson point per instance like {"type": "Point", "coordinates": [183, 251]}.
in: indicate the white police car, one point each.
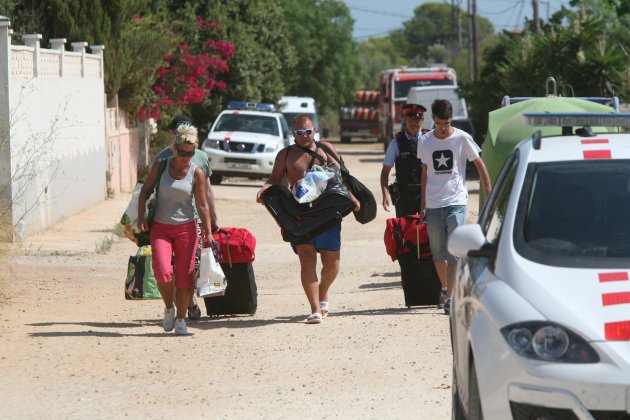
{"type": "Point", "coordinates": [245, 139]}
{"type": "Point", "coordinates": [540, 319]}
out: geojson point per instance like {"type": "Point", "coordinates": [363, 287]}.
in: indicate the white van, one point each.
{"type": "Point", "coordinates": [425, 95]}
{"type": "Point", "coordinates": [292, 106]}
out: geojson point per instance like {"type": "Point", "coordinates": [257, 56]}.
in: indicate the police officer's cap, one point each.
{"type": "Point", "coordinates": [414, 110]}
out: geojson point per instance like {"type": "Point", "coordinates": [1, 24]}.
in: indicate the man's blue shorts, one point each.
{"type": "Point", "coordinates": [441, 222]}
{"type": "Point", "coordinates": [329, 240]}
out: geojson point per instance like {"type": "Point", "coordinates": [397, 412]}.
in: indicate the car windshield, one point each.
{"type": "Point", "coordinates": [577, 211]}
{"type": "Point", "coordinates": [250, 123]}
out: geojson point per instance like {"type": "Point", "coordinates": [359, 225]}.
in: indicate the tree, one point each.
{"type": "Point", "coordinates": [432, 25]}
{"type": "Point", "coordinates": [581, 54]}
{"type": "Point", "coordinates": [262, 51]}
{"type": "Point", "coordinates": [189, 74]}
{"type": "Point", "coordinates": [327, 65]}
{"type": "Point", "coordinates": [133, 48]}
{"type": "Point", "coordinates": [375, 55]}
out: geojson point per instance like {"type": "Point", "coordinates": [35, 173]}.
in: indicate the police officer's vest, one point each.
{"type": "Point", "coordinates": [408, 166]}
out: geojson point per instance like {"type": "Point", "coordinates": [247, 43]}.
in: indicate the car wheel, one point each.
{"type": "Point", "coordinates": [216, 179]}
{"type": "Point", "coordinates": [474, 400]}
{"type": "Point", "coordinates": [345, 139]}
{"type": "Point", "coordinates": [457, 410]}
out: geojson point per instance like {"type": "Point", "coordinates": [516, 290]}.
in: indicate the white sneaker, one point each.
{"type": "Point", "coordinates": [169, 319]}
{"type": "Point", "coordinates": [180, 326]}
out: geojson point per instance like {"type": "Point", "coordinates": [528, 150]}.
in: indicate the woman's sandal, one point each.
{"type": "Point", "coordinates": [314, 318]}
{"type": "Point", "coordinates": [323, 306]}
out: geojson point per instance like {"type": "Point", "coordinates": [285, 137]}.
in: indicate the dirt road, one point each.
{"type": "Point", "coordinates": [72, 347]}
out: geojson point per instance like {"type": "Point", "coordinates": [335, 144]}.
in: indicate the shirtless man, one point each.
{"type": "Point", "coordinates": [294, 162]}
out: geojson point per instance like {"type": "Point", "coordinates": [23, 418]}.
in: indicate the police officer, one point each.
{"type": "Point", "coordinates": [402, 153]}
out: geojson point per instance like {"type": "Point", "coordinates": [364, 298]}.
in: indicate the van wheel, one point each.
{"type": "Point", "coordinates": [216, 179]}
{"type": "Point", "coordinates": [345, 139]}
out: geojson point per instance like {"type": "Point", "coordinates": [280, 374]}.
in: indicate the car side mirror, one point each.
{"type": "Point", "coordinates": [469, 240]}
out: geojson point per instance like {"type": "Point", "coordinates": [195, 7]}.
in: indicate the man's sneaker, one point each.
{"type": "Point", "coordinates": [443, 297]}
{"type": "Point", "coordinates": [180, 326]}
{"type": "Point", "coordinates": [447, 306]}
{"type": "Point", "coordinates": [194, 313]}
{"type": "Point", "coordinates": [169, 319]}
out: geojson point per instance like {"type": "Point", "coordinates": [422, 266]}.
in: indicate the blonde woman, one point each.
{"type": "Point", "coordinates": [173, 229]}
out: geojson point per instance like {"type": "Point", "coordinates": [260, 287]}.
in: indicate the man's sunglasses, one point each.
{"type": "Point", "coordinates": [306, 132]}
{"type": "Point", "coordinates": [184, 153]}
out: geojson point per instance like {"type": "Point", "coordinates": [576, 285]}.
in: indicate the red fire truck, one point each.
{"type": "Point", "coordinates": [395, 84]}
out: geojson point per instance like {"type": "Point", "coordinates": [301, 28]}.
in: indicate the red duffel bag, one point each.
{"type": "Point", "coordinates": [237, 245]}
{"type": "Point", "coordinates": [407, 234]}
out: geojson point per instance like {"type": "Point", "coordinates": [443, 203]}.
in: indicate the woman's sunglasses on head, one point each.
{"type": "Point", "coordinates": [183, 123]}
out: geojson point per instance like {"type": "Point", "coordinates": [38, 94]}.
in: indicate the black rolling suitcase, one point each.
{"type": "Point", "coordinates": [420, 281]}
{"type": "Point", "coordinates": [241, 295]}
{"type": "Point", "coordinates": [406, 240]}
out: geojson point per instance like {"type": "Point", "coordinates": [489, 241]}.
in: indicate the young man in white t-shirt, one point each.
{"type": "Point", "coordinates": [444, 152]}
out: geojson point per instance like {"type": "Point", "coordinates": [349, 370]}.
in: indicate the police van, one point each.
{"type": "Point", "coordinates": [245, 139]}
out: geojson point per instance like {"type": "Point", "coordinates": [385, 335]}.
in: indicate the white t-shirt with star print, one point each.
{"type": "Point", "coordinates": [446, 167]}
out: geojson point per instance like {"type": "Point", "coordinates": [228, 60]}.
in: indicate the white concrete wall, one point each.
{"type": "Point", "coordinates": [58, 157]}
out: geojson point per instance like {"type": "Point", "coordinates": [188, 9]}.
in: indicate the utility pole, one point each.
{"type": "Point", "coordinates": [536, 16]}
{"type": "Point", "coordinates": [473, 41]}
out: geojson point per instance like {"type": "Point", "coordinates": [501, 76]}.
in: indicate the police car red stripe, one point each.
{"type": "Point", "coordinates": [618, 276]}
{"type": "Point", "coordinates": [594, 141]}
{"type": "Point", "coordinates": [617, 330]}
{"type": "Point", "coordinates": [597, 154]}
{"type": "Point", "coordinates": [615, 298]}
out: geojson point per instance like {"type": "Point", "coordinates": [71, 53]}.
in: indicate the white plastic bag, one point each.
{"type": "Point", "coordinates": [312, 185]}
{"type": "Point", "coordinates": [211, 281]}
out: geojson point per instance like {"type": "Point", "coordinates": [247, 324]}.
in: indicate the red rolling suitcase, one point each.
{"type": "Point", "coordinates": [241, 295]}
{"type": "Point", "coordinates": [406, 240]}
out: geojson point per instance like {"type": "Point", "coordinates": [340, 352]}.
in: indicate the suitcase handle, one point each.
{"type": "Point", "coordinates": [227, 244]}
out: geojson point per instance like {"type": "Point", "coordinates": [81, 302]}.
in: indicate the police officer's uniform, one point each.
{"type": "Point", "coordinates": [406, 191]}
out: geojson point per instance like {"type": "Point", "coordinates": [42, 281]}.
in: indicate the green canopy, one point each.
{"type": "Point", "coordinates": [507, 128]}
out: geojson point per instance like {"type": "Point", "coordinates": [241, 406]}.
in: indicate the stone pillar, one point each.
{"type": "Point", "coordinates": [33, 41]}
{"type": "Point", "coordinates": [6, 200]}
{"type": "Point", "coordinates": [59, 44]}
{"type": "Point", "coordinates": [80, 47]}
{"type": "Point", "coordinates": [98, 50]}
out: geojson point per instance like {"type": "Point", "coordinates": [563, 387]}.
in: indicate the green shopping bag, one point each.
{"type": "Point", "coordinates": [140, 283]}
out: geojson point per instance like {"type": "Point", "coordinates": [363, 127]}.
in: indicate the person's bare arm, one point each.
{"type": "Point", "coordinates": [384, 180]}
{"type": "Point", "coordinates": [331, 148]}
{"type": "Point", "coordinates": [423, 193]}
{"type": "Point", "coordinates": [484, 177]}
{"type": "Point", "coordinates": [200, 190]}
{"type": "Point", "coordinates": [277, 173]}
{"type": "Point", "coordinates": [147, 187]}
{"type": "Point", "coordinates": [211, 206]}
